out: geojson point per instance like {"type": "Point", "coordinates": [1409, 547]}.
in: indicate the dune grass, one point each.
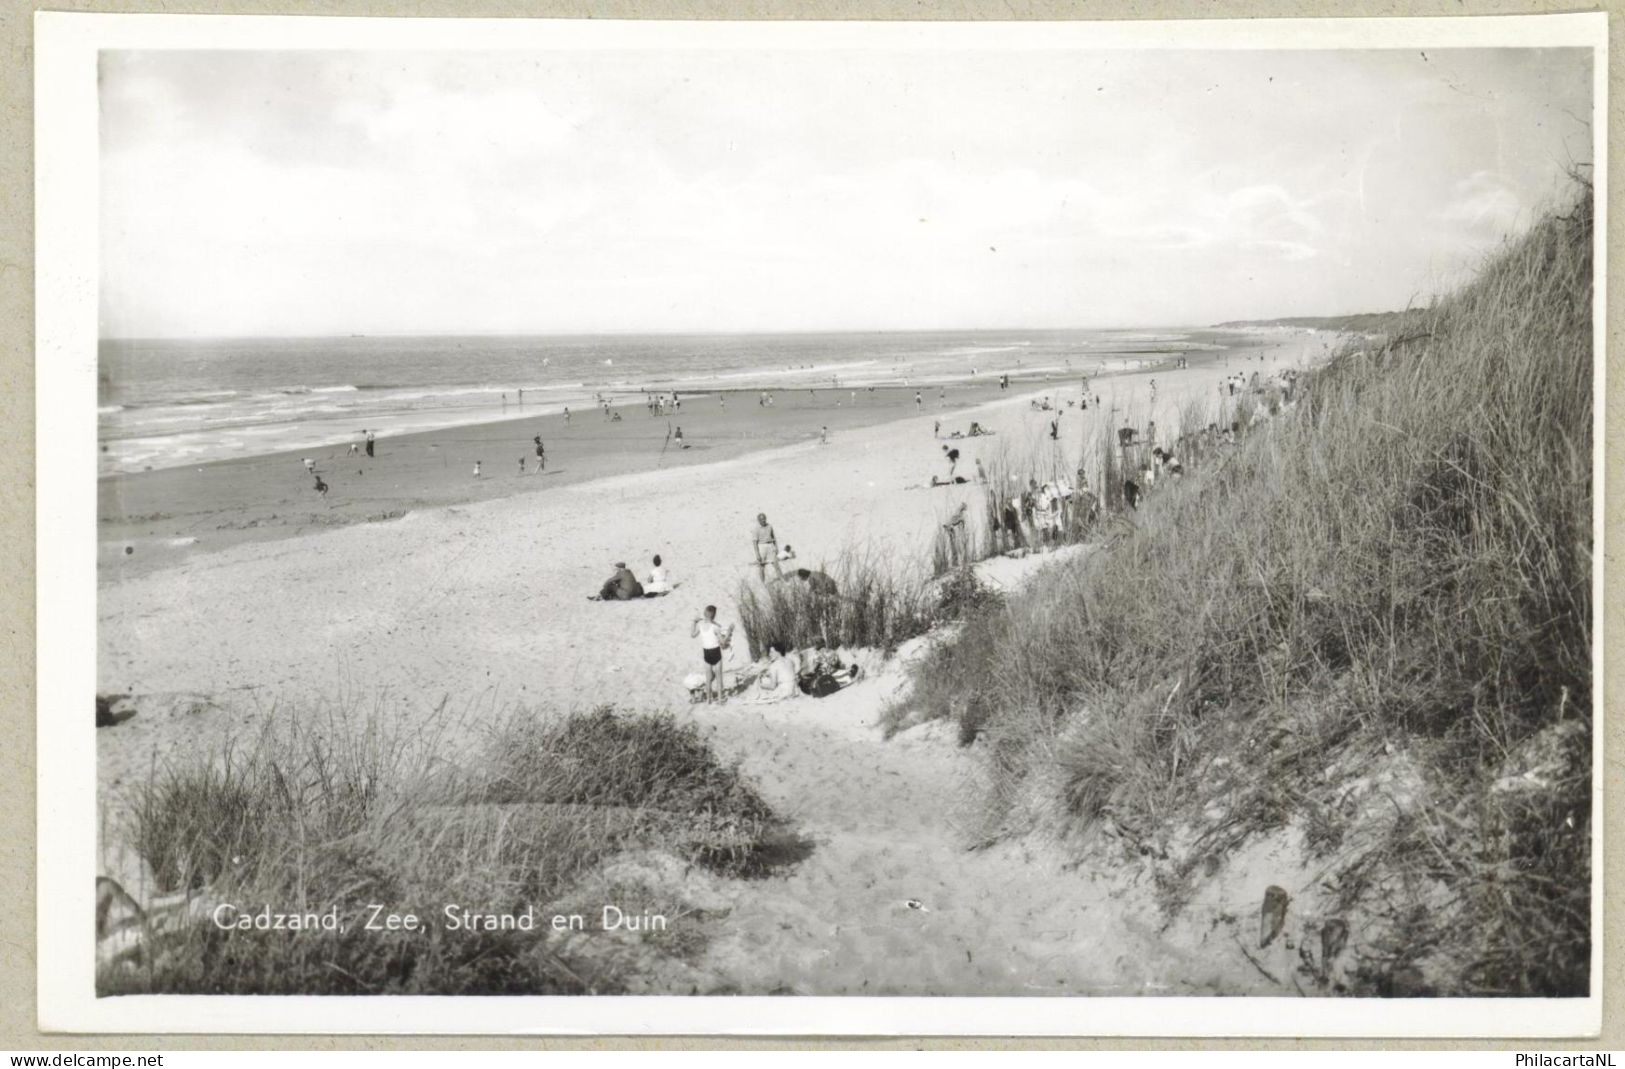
{"type": "Point", "coordinates": [878, 603]}
{"type": "Point", "coordinates": [342, 812]}
{"type": "Point", "coordinates": [1394, 568]}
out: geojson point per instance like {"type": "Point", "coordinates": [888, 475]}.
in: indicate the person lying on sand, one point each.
{"type": "Point", "coordinates": [622, 586]}
{"type": "Point", "coordinates": [787, 553]}
{"type": "Point", "coordinates": [825, 674]}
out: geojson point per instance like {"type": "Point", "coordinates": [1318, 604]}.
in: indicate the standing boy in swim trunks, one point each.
{"type": "Point", "coordinates": [713, 637]}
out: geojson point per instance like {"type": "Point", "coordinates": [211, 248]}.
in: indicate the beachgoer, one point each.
{"type": "Point", "coordinates": [823, 436]}
{"type": "Point", "coordinates": [714, 638]}
{"type": "Point", "coordinates": [778, 680]}
{"type": "Point", "coordinates": [936, 429]}
{"type": "Point", "coordinates": [678, 438]}
{"type": "Point", "coordinates": [310, 465]}
{"type": "Point", "coordinates": [917, 401]}
{"type": "Point", "coordinates": [1131, 493]}
{"type": "Point", "coordinates": [521, 465]}
{"type": "Point", "coordinates": [476, 469]}
{"type": "Point", "coordinates": [787, 553]}
{"type": "Point", "coordinates": [955, 530]}
{"type": "Point", "coordinates": [321, 487]}
{"type": "Point", "coordinates": [765, 544]}
{"type": "Point", "coordinates": [541, 453]}
{"type": "Point", "coordinates": [355, 449]}
{"type": "Point", "coordinates": [826, 674]}
{"type": "Point", "coordinates": [657, 584]}
{"type": "Point", "coordinates": [567, 413]}
{"type": "Point", "coordinates": [369, 443]}
{"type": "Point", "coordinates": [953, 459]}
{"type": "Point", "coordinates": [818, 582]}
{"type": "Point", "coordinates": [622, 586]}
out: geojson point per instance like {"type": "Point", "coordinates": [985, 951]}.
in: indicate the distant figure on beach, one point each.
{"type": "Point", "coordinates": [787, 553]}
{"type": "Point", "coordinates": [1055, 429]}
{"type": "Point", "coordinates": [823, 435]}
{"type": "Point", "coordinates": [521, 465]}
{"type": "Point", "coordinates": [678, 438]}
{"type": "Point", "coordinates": [622, 586]}
{"type": "Point", "coordinates": [355, 449]}
{"type": "Point", "coordinates": [310, 465]}
{"type": "Point", "coordinates": [567, 413]}
{"type": "Point", "coordinates": [917, 402]}
{"type": "Point", "coordinates": [369, 443]}
{"type": "Point", "coordinates": [714, 638]}
{"type": "Point", "coordinates": [953, 460]}
{"type": "Point", "coordinates": [321, 487]}
{"type": "Point", "coordinates": [936, 429]}
{"type": "Point", "coordinates": [981, 473]}
{"type": "Point", "coordinates": [658, 583]}
{"type": "Point", "coordinates": [541, 453]}
{"type": "Point", "coordinates": [766, 546]}
{"type": "Point", "coordinates": [521, 395]}
{"type": "Point", "coordinates": [476, 469]}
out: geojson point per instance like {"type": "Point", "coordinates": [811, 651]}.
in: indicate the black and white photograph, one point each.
{"type": "Point", "coordinates": [1098, 521]}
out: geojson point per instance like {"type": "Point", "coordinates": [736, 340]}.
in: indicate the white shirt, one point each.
{"type": "Point", "coordinates": [710, 634]}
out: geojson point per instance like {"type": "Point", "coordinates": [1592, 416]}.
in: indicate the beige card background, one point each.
{"type": "Point", "coordinates": [18, 962]}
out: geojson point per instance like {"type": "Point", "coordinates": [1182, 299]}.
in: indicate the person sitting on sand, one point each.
{"type": "Point", "coordinates": [787, 553]}
{"type": "Point", "coordinates": [622, 586]}
{"type": "Point", "coordinates": [658, 583]}
{"type": "Point", "coordinates": [778, 680]}
{"type": "Point", "coordinates": [714, 638]}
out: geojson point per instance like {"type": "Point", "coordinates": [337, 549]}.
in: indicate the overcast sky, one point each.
{"type": "Point", "coordinates": [341, 192]}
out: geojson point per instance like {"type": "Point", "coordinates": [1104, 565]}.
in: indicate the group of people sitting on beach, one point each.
{"type": "Point", "coordinates": [625, 586]}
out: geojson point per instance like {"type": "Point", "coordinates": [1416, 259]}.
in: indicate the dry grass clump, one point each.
{"type": "Point", "coordinates": [875, 604]}
{"type": "Point", "coordinates": [351, 815]}
{"type": "Point", "coordinates": [1406, 550]}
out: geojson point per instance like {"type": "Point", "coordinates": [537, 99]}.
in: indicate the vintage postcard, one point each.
{"type": "Point", "coordinates": [820, 527]}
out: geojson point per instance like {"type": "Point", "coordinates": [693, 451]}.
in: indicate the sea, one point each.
{"type": "Point", "coordinates": [172, 402]}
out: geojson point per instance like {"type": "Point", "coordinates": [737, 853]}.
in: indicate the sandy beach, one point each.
{"type": "Point", "coordinates": [481, 606]}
